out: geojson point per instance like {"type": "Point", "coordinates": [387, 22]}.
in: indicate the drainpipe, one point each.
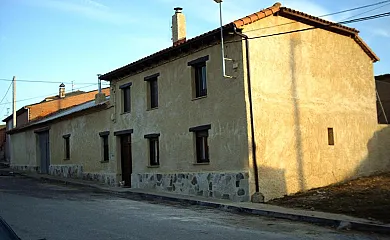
{"type": "Point", "coordinates": [256, 170]}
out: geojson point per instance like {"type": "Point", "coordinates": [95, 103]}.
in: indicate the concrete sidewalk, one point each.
{"type": "Point", "coordinates": [338, 221]}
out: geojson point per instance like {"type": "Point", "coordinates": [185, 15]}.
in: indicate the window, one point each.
{"type": "Point", "coordinates": [330, 137]}
{"type": "Point", "coordinates": [154, 152]}
{"type": "Point", "coordinates": [126, 97]}
{"type": "Point", "coordinates": [66, 146]}
{"type": "Point", "coordinates": [152, 90]}
{"type": "Point", "coordinates": [199, 76]}
{"type": "Point", "coordinates": [105, 146]}
{"type": "Point", "coordinates": [201, 143]}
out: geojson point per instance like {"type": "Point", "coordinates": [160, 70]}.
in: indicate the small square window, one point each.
{"type": "Point", "coordinates": [330, 137]}
{"type": "Point", "coordinates": [66, 146]}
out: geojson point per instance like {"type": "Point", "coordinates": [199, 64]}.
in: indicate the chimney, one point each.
{"type": "Point", "coordinates": [178, 27]}
{"type": "Point", "coordinates": [61, 93]}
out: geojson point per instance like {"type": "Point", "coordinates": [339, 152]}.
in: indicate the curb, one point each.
{"type": "Point", "coordinates": [334, 223]}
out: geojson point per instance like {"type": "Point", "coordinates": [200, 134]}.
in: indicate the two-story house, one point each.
{"type": "Point", "coordinates": [296, 111]}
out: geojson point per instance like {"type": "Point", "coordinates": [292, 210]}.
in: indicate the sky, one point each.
{"type": "Point", "coordinates": [74, 40]}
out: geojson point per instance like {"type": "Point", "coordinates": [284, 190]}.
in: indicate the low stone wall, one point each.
{"type": "Point", "coordinates": [24, 168]}
{"type": "Point", "coordinates": [106, 178]}
{"type": "Point", "coordinates": [233, 185]}
{"type": "Point", "coordinates": [66, 171]}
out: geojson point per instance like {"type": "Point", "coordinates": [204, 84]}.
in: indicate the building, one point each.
{"type": "Point", "coordinates": [382, 83]}
{"type": "Point", "coordinates": [67, 142]}
{"type": "Point", "coordinates": [2, 143]}
{"type": "Point", "coordinates": [296, 110]}
{"type": "Point", "coordinates": [48, 106]}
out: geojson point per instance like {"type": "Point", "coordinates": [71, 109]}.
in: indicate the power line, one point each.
{"type": "Point", "coordinates": [5, 95]}
{"type": "Point", "coordinates": [353, 9]}
{"type": "Point", "coordinates": [41, 81]}
{"type": "Point", "coordinates": [366, 11]}
{"type": "Point", "coordinates": [335, 13]}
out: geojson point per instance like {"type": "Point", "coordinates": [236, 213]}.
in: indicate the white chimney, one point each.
{"type": "Point", "coordinates": [61, 93]}
{"type": "Point", "coordinates": [178, 26]}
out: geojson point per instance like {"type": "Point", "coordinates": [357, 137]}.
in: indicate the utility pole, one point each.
{"type": "Point", "coordinates": [72, 86]}
{"type": "Point", "coordinates": [14, 102]}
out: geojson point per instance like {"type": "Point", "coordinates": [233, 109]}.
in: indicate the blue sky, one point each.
{"type": "Point", "coordinates": [73, 40]}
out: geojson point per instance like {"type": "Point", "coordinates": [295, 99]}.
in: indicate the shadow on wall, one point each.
{"type": "Point", "coordinates": [378, 157]}
{"type": "Point", "coordinates": [272, 182]}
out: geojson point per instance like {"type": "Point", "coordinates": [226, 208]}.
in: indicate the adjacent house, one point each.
{"type": "Point", "coordinates": [294, 109]}
{"type": "Point", "coordinates": [382, 83]}
{"type": "Point", "coordinates": [67, 143]}
{"type": "Point", "coordinates": [48, 106]}
{"type": "Point", "coordinates": [2, 143]}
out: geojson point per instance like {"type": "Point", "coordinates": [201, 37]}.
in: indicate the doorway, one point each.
{"type": "Point", "coordinates": [44, 150]}
{"type": "Point", "coordinates": [126, 160]}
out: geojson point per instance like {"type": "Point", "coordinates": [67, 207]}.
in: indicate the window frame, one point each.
{"type": "Point", "coordinates": [105, 148]}
{"type": "Point", "coordinates": [153, 149]}
{"type": "Point", "coordinates": [152, 91]}
{"type": "Point", "coordinates": [201, 143]}
{"type": "Point", "coordinates": [126, 100]}
{"type": "Point", "coordinates": [66, 146]}
{"type": "Point", "coordinates": [199, 77]}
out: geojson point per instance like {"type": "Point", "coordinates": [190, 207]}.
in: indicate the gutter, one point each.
{"type": "Point", "coordinates": [255, 168]}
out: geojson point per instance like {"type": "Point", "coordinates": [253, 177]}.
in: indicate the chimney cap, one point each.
{"type": "Point", "coordinates": [178, 9]}
{"type": "Point", "coordinates": [62, 85]}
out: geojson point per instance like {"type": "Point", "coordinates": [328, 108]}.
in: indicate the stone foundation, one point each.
{"type": "Point", "coordinates": [106, 178]}
{"type": "Point", "coordinates": [66, 171]}
{"type": "Point", "coordinates": [24, 168]}
{"type": "Point", "coordinates": [233, 185]}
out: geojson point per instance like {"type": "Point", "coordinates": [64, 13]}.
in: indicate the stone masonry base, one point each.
{"type": "Point", "coordinates": [24, 168]}
{"type": "Point", "coordinates": [76, 171]}
{"type": "Point", "coordinates": [232, 185]}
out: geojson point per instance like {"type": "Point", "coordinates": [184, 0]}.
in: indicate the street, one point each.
{"type": "Point", "coordinates": [41, 210]}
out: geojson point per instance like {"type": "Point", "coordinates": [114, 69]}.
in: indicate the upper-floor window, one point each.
{"type": "Point", "coordinates": [199, 76]}
{"type": "Point", "coordinates": [152, 91]}
{"type": "Point", "coordinates": [126, 97]}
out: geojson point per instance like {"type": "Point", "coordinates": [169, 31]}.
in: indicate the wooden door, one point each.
{"type": "Point", "coordinates": [126, 161]}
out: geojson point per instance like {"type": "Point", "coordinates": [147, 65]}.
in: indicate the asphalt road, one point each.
{"type": "Point", "coordinates": [37, 210]}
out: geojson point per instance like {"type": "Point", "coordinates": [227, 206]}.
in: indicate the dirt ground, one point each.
{"type": "Point", "coordinates": [367, 197]}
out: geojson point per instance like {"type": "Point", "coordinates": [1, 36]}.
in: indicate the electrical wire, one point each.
{"type": "Point", "coordinates": [353, 9]}
{"type": "Point", "coordinates": [5, 95]}
{"type": "Point", "coordinates": [335, 13]}
{"type": "Point", "coordinates": [40, 81]}
{"type": "Point", "coordinates": [311, 28]}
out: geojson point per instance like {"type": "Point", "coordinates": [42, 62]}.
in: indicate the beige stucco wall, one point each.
{"type": "Point", "coordinates": [223, 108]}
{"type": "Point", "coordinates": [24, 149]}
{"type": "Point", "coordinates": [85, 145]}
{"type": "Point", "coordinates": [85, 142]}
{"type": "Point", "coordinates": [304, 83]}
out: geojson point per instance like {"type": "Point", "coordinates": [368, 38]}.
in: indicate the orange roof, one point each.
{"type": "Point", "coordinates": [277, 8]}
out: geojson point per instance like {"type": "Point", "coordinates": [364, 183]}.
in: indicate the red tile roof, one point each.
{"type": "Point", "coordinates": [240, 23]}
